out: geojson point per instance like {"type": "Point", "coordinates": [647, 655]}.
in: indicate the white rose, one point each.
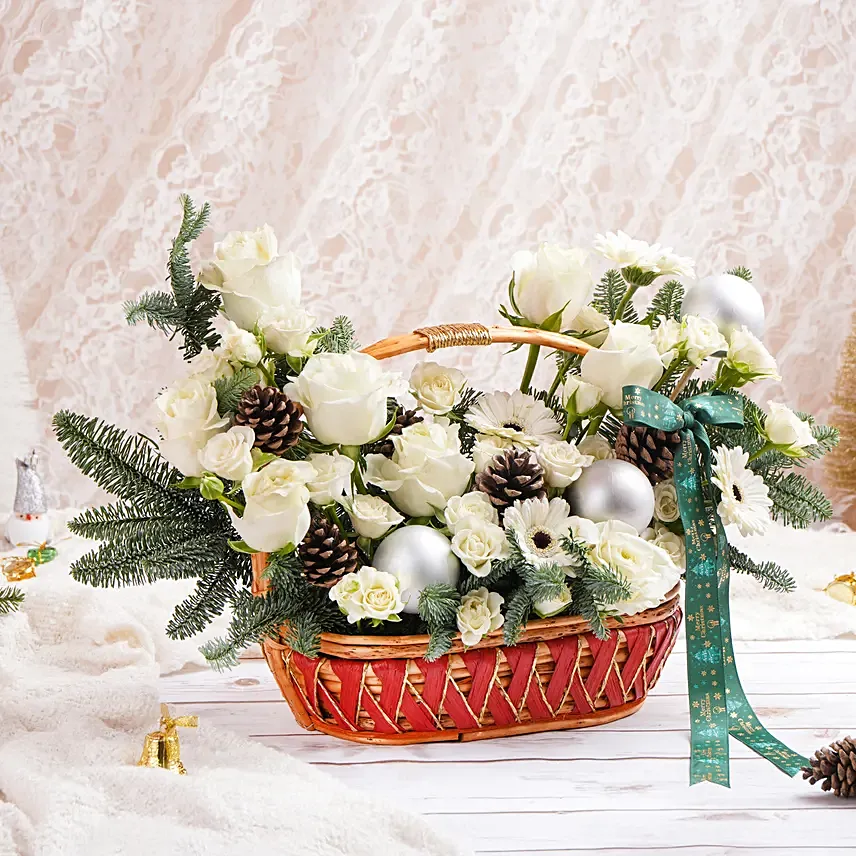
{"type": "Point", "coordinates": [597, 447]}
{"type": "Point", "coordinates": [472, 504]}
{"type": "Point", "coordinates": [590, 325]}
{"type": "Point", "coordinates": [368, 593]}
{"type": "Point", "coordinates": [584, 530]}
{"type": "Point", "coordinates": [579, 397]}
{"type": "Point", "coordinates": [426, 468]}
{"type": "Point", "coordinates": [276, 512]}
{"type": "Point", "coordinates": [239, 346]}
{"type": "Point", "coordinates": [748, 358]}
{"type": "Point", "coordinates": [553, 278]}
{"type": "Point", "coordinates": [251, 277]}
{"type": "Point", "coordinates": [478, 544]}
{"type": "Point", "coordinates": [666, 502]}
{"type": "Point", "coordinates": [478, 614]}
{"type": "Point", "coordinates": [287, 330]}
{"type": "Point", "coordinates": [672, 543]}
{"type": "Point", "coordinates": [344, 397]}
{"type": "Point", "coordinates": [649, 568]}
{"type": "Point", "coordinates": [784, 428]}
{"type": "Point", "coordinates": [332, 477]}
{"type": "Point", "coordinates": [436, 388]}
{"type": "Point", "coordinates": [562, 462]}
{"type": "Point", "coordinates": [371, 516]}
{"type": "Point", "coordinates": [210, 366]}
{"type": "Point", "coordinates": [668, 339]}
{"type": "Point", "coordinates": [627, 357]}
{"type": "Point", "coordinates": [702, 339]}
{"type": "Point", "coordinates": [229, 455]}
{"type": "Point", "coordinates": [487, 447]}
{"type": "Point", "coordinates": [187, 419]}
{"type": "Point", "coordinates": [549, 608]}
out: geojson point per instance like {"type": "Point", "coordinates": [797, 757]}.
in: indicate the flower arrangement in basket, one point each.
{"type": "Point", "coordinates": [428, 561]}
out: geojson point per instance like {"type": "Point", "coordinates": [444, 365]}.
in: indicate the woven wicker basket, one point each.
{"type": "Point", "coordinates": [378, 689]}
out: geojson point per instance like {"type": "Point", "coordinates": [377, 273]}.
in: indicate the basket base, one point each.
{"type": "Point", "coordinates": [564, 723]}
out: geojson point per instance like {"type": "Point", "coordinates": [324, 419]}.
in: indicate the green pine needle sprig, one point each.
{"type": "Point", "coordinates": [11, 599]}
{"type": "Point", "coordinates": [769, 574]}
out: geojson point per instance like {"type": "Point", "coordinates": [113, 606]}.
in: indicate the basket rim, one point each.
{"type": "Point", "coordinates": [541, 629]}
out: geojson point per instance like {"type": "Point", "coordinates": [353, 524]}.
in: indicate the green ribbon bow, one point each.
{"type": "Point", "coordinates": [718, 704]}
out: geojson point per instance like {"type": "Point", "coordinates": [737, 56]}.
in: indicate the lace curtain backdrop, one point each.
{"type": "Point", "coordinates": [404, 149]}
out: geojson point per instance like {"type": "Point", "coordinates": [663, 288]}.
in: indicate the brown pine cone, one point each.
{"type": "Point", "coordinates": [326, 554]}
{"type": "Point", "coordinates": [649, 449]}
{"type": "Point", "coordinates": [835, 768]}
{"type": "Point", "coordinates": [511, 475]}
{"type": "Point", "coordinates": [404, 419]}
{"type": "Point", "coordinates": [273, 416]}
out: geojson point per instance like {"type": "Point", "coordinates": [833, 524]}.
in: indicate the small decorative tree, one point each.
{"type": "Point", "coordinates": [841, 464]}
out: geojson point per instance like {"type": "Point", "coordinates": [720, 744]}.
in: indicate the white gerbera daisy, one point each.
{"type": "Point", "coordinates": [622, 250]}
{"type": "Point", "coordinates": [745, 498]}
{"type": "Point", "coordinates": [515, 416]}
{"type": "Point", "coordinates": [540, 527]}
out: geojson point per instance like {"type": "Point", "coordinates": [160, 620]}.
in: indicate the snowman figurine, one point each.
{"type": "Point", "coordinates": [29, 524]}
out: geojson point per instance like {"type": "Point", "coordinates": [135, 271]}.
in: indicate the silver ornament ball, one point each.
{"type": "Point", "coordinates": [727, 300]}
{"type": "Point", "coordinates": [612, 490]}
{"type": "Point", "coordinates": [417, 556]}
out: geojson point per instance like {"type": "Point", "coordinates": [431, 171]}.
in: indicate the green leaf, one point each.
{"type": "Point", "coordinates": [553, 323]}
{"type": "Point", "coordinates": [188, 483]}
{"type": "Point", "coordinates": [241, 547]}
{"type": "Point", "coordinates": [230, 390]}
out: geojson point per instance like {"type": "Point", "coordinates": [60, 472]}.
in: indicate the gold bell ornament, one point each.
{"type": "Point", "coordinates": [843, 588]}
{"type": "Point", "coordinates": [161, 748]}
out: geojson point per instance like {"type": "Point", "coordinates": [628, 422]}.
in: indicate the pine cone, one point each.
{"type": "Point", "coordinates": [326, 554]}
{"type": "Point", "coordinates": [404, 419]}
{"type": "Point", "coordinates": [273, 416]}
{"type": "Point", "coordinates": [835, 768]}
{"type": "Point", "coordinates": [511, 475]}
{"type": "Point", "coordinates": [649, 449]}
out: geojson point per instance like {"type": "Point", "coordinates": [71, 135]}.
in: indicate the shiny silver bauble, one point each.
{"type": "Point", "coordinates": [612, 490]}
{"type": "Point", "coordinates": [727, 300]}
{"type": "Point", "coordinates": [417, 556]}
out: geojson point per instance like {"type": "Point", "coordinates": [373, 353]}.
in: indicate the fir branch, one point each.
{"type": "Point", "coordinates": [666, 303]}
{"type": "Point", "coordinates": [769, 574]}
{"type": "Point", "coordinates": [231, 389]}
{"type": "Point", "coordinates": [543, 582]}
{"type": "Point", "coordinates": [498, 571]}
{"type": "Point", "coordinates": [128, 519]}
{"type": "Point", "coordinates": [742, 272]}
{"type": "Point", "coordinates": [586, 606]}
{"type": "Point", "coordinates": [338, 338]}
{"type": "Point", "coordinates": [11, 599]}
{"type": "Point", "coordinates": [671, 376]}
{"type": "Point", "coordinates": [554, 402]}
{"type": "Point", "coordinates": [120, 463]}
{"type": "Point", "coordinates": [608, 293]}
{"type": "Point", "coordinates": [468, 398]}
{"type": "Point", "coordinates": [157, 308]}
{"type": "Point", "coordinates": [827, 437]}
{"type": "Point", "coordinates": [796, 501]}
{"type": "Point", "coordinates": [609, 428]}
{"type": "Point", "coordinates": [439, 642]}
{"type": "Point", "coordinates": [438, 605]}
{"type": "Point", "coordinates": [606, 585]}
{"type": "Point", "coordinates": [518, 607]}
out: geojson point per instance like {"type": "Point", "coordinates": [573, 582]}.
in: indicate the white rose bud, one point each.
{"type": "Point", "coordinates": [344, 397]}
{"type": "Point", "coordinates": [239, 346]}
{"type": "Point", "coordinates": [187, 420]}
{"type": "Point", "coordinates": [549, 608]}
{"type": "Point", "coordinates": [562, 463]}
{"type": "Point", "coordinates": [277, 511]}
{"type": "Point", "coordinates": [747, 359]}
{"type": "Point", "coordinates": [666, 502]}
{"type": "Point", "coordinates": [288, 329]}
{"type": "Point", "coordinates": [478, 614]}
{"type": "Point", "coordinates": [210, 366]}
{"type": "Point", "coordinates": [786, 430]}
{"type": "Point", "coordinates": [627, 357]}
{"type": "Point", "coordinates": [487, 447]}
{"type": "Point", "coordinates": [371, 516]}
{"type": "Point", "coordinates": [579, 397]}
{"type": "Point", "coordinates": [478, 544]}
{"type": "Point", "coordinates": [332, 477]}
{"type": "Point", "coordinates": [669, 340]}
{"type": "Point", "coordinates": [670, 542]}
{"type": "Point", "coordinates": [368, 593]}
{"type": "Point", "coordinates": [597, 447]}
{"type": "Point", "coordinates": [436, 388]}
{"type": "Point", "coordinates": [472, 504]}
{"type": "Point", "coordinates": [590, 325]}
{"type": "Point", "coordinates": [552, 279]}
{"type": "Point", "coordinates": [702, 339]}
{"type": "Point", "coordinates": [229, 455]}
{"type": "Point", "coordinates": [426, 468]}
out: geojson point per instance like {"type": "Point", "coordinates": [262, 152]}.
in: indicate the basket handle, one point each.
{"type": "Point", "coordinates": [456, 335]}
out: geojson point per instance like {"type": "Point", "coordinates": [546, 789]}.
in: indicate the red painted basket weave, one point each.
{"type": "Point", "coordinates": [379, 689]}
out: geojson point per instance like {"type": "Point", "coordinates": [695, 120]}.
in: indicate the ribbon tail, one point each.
{"type": "Point", "coordinates": [709, 759]}
{"type": "Point", "coordinates": [743, 723]}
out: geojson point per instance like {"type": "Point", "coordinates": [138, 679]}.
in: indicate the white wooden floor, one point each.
{"type": "Point", "coordinates": [616, 789]}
